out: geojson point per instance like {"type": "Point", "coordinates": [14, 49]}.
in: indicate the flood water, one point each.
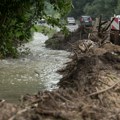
{"type": "Point", "coordinates": [31, 73]}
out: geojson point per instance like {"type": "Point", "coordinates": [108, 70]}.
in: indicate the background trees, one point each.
{"type": "Point", "coordinates": [106, 8]}
{"type": "Point", "coordinates": [95, 8]}
{"type": "Point", "coordinates": [78, 7]}
{"type": "Point", "coordinates": [18, 16]}
{"type": "Point", "coordinates": [117, 10]}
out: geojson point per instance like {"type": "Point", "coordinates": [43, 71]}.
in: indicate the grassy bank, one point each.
{"type": "Point", "coordinates": [46, 30]}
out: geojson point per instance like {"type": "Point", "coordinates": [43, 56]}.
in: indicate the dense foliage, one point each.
{"type": "Point", "coordinates": [106, 8]}
{"type": "Point", "coordinates": [18, 16]}
{"type": "Point", "coordinates": [95, 8]}
{"type": "Point", "coordinates": [78, 7]}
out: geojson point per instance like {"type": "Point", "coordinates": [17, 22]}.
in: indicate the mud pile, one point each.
{"type": "Point", "coordinates": [61, 42]}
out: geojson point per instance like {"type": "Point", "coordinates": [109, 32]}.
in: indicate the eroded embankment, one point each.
{"type": "Point", "coordinates": [61, 42]}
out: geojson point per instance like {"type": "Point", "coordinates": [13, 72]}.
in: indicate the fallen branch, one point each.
{"type": "Point", "coordinates": [104, 90]}
{"type": "Point", "coordinates": [103, 82]}
{"type": "Point", "coordinates": [62, 98]}
{"type": "Point", "coordinates": [77, 56]}
{"type": "Point", "coordinates": [19, 113]}
{"type": "Point", "coordinates": [109, 24]}
{"type": "Point", "coordinates": [99, 27]}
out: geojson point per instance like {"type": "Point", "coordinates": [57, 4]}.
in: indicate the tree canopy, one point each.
{"type": "Point", "coordinates": [18, 16]}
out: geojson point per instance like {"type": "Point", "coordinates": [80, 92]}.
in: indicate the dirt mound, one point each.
{"type": "Point", "coordinates": [96, 75]}
{"type": "Point", "coordinates": [61, 42]}
{"type": "Point", "coordinates": [89, 67]}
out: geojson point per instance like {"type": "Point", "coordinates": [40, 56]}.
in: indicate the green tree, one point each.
{"type": "Point", "coordinates": [106, 8]}
{"type": "Point", "coordinates": [18, 16]}
{"type": "Point", "coordinates": [117, 10]}
{"type": "Point", "coordinates": [78, 7]}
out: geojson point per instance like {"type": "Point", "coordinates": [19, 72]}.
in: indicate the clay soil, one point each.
{"type": "Point", "coordinates": [89, 89]}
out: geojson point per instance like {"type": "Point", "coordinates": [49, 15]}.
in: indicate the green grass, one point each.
{"type": "Point", "coordinates": [43, 29]}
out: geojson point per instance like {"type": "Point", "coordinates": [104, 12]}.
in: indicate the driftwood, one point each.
{"type": "Point", "coordinates": [20, 112]}
{"type": "Point", "coordinates": [104, 90]}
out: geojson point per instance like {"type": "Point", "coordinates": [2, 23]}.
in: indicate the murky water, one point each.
{"type": "Point", "coordinates": [32, 73]}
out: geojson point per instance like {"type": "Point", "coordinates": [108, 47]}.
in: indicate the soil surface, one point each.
{"type": "Point", "coordinates": [89, 89]}
{"type": "Point", "coordinates": [61, 42]}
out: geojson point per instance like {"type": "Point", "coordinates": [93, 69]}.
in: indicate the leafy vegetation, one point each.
{"type": "Point", "coordinates": [106, 8]}
{"type": "Point", "coordinates": [43, 29]}
{"type": "Point", "coordinates": [78, 7]}
{"type": "Point", "coordinates": [18, 16]}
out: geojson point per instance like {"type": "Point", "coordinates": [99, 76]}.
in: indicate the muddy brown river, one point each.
{"type": "Point", "coordinates": [33, 72]}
